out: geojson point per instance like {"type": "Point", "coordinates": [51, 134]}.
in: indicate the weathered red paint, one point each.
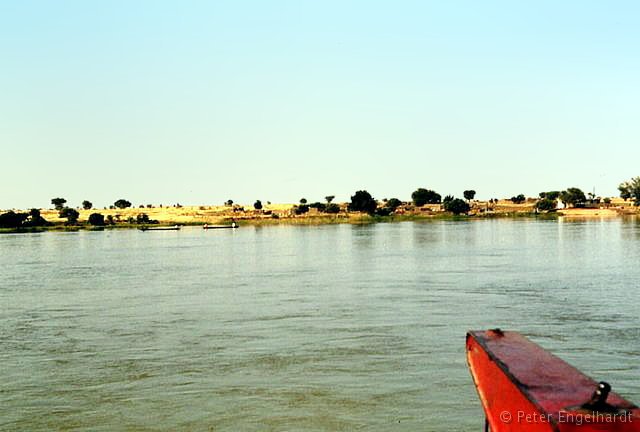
{"type": "Point", "coordinates": [524, 388]}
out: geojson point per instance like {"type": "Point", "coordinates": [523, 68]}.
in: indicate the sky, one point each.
{"type": "Point", "coordinates": [197, 102]}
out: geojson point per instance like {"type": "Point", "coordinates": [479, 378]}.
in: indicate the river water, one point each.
{"type": "Point", "coordinates": [290, 328]}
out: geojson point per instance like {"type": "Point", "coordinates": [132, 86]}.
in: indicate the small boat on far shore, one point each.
{"type": "Point", "coordinates": [160, 228]}
{"type": "Point", "coordinates": [208, 227]}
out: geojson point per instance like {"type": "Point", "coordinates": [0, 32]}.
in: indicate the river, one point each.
{"type": "Point", "coordinates": [298, 328]}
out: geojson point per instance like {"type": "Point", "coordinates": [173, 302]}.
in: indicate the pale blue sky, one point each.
{"type": "Point", "coordinates": [197, 102]}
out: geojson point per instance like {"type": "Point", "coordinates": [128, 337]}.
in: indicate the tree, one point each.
{"type": "Point", "coordinates": [318, 205]}
{"type": "Point", "coordinates": [573, 196]}
{"type": "Point", "coordinates": [143, 218]}
{"type": "Point", "coordinates": [552, 195]}
{"type": "Point", "coordinates": [301, 209]}
{"type": "Point", "coordinates": [393, 203]}
{"type": "Point", "coordinates": [630, 189]}
{"type": "Point", "coordinates": [303, 200]}
{"type": "Point", "coordinates": [329, 198]}
{"type": "Point", "coordinates": [456, 206]}
{"type": "Point", "coordinates": [518, 199]}
{"type": "Point", "coordinates": [257, 205]}
{"type": "Point", "coordinates": [96, 219]}
{"type": "Point", "coordinates": [332, 208]}
{"type": "Point", "coordinates": [70, 214]}
{"type": "Point", "coordinates": [110, 220]}
{"type": "Point", "coordinates": [469, 194]}
{"type": "Point", "coordinates": [12, 219]}
{"type": "Point", "coordinates": [383, 211]}
{"type": "Point", "coordinates": [122, 204]}
{"type": "Point", "coordinates": [546, 204]}
{"type": "Point", "coordinates": [228, 203]}
{"type": "Point", "coordinates": [58, 203]}
{"type": "Point", "coordinates": [447, 199]}
{"type": "Point", "coordinates": [362, 201]}
{"type": "Point", "coordinates": [36, 219]}
{"type": "Point", "coordinates": [423, 196]}
{"type": "Point", "coordinates": [87, 205]}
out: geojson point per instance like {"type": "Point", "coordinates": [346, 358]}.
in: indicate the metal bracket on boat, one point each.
{"type": "Point", "coordinates": [598, 400]}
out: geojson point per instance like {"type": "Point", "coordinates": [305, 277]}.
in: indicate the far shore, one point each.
{"type": "Point", "coordinates": [272, 214]}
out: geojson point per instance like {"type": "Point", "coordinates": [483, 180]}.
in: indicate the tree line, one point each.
{"type": "Point", "coordinates": [361, 201]}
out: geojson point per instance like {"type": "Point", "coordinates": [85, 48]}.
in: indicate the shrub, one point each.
{"type": "Point", "coordinates": [456, 206]}
{"type": "Point", "coordinates": [12, 219]}
{"type": "Point", "coordinates": [96, 219]}
{"type": "Point", "coordinates": [332, 208]}
{"type": "Point", "coordinates": [142, 218]}
{"type": "Point", "coordinates": [318, 205]}
{"type": "Point", "coordinates": [301, 209]}
{"type": "Point", "coordinates": [70, 214]}
{"type": "Point", "coordinates": [383, 211]}
{"type": "Point", "coordinates": [36, 219]}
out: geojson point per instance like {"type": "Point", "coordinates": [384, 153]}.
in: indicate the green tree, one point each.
{"type": "Point", "coordinates": [96, 219]}
{"type": "Point", "coordinates": [301, 209]}
{"type": "Point", "coordinates": [552, 195]}
{"type": "Point", "coordinates": [546, 204]}
{"type": "Point", "coordinates": [143, 218]}
{"type": "Point", "coordinates": [12, 219]}
{"type": "Point", "coordinates": [58, 203]}
{"type": "Point", "coordinates": [518, 199]}
{"type": "Point", "coordinates": [573, 197]}
{"type": "Point", "coordinates": [447, 199]}
{"type": "Point", "coordinates": [228, 203]}
{"type": "Point", "coordinates": [122, 204]}
{"type": "Point", "coordinates": [318, 205]}
{"type": "Point", "coordinates": [393, 203]}
{"type": "Point", "coordinates": [456, 206]}
{"type": "Point", "coordinates": [257, 205]}
{"type": "Point", "coordinates": [86, 205]}
{"type": "Point", "coordinates": [469, 194]}
{"type": "Point", "coordinates": [362, 201]}
{"type": "Point", "coordinates": [630, 189]}
{"type": "Point", "coordinates": [383, 211]}
{"type": "Point", "coordinates": [332, 208]}
{"type": "Point", "coordinates": [36, 219]}
{"type": "Point", "coordinates": [329, 198]}
{"type": "Point", "coordinates": [423, 196]}
{"type": "Point", "coordinates": [70, 214]}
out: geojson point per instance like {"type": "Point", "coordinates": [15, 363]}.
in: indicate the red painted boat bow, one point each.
{"type": "Point", "coordinates": [524, 388]}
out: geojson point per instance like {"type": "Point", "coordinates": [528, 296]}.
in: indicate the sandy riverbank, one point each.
{"type": "Point", "coordinates": [284, 213]}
